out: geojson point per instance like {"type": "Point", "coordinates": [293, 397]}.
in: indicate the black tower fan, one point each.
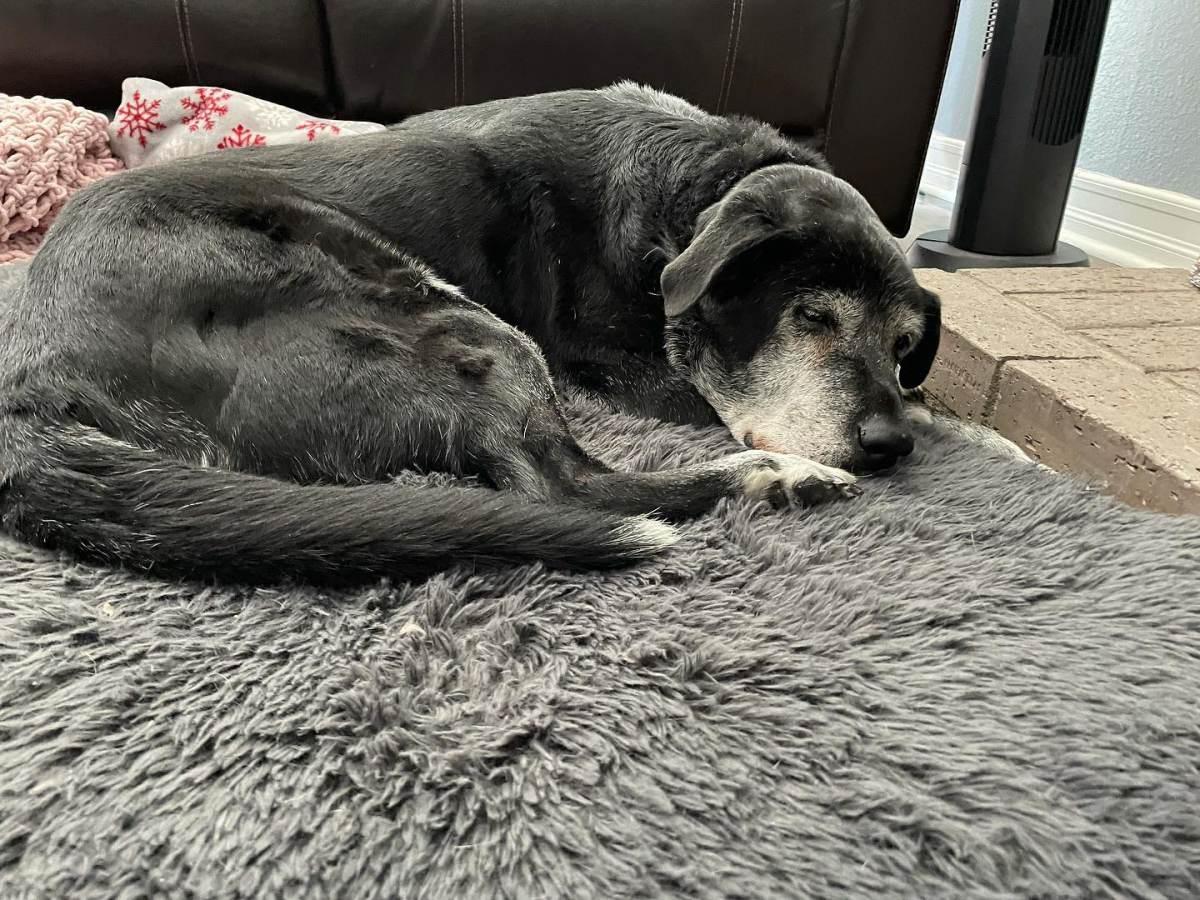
{"type": "Point", "coordinates": [1039, 64]}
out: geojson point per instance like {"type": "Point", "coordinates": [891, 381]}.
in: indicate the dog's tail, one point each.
{"type": "Point", "coordinates": [71, 487]}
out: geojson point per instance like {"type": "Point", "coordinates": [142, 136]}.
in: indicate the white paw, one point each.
{"type": "Point", "coordinates": [784, 480]}
{"type": "Point", "coordinates": [918, 414]}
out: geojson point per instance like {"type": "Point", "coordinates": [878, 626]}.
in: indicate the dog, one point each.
{"type": "Point", "coordinates": [214, 366]}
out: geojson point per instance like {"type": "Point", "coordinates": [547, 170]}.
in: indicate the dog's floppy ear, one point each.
{"type": "Point", "coordinates": [721, 235]}
{"type": "Point", "coordinates": [916, 365]}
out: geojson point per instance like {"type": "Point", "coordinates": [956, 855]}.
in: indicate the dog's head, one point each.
{"type": "Point", "coordinates": [796, 316]}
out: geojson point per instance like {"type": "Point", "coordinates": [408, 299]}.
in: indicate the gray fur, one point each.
{"type": "Point", "coordinates": [977, 681]}
{"type": "Point", "coordinates": [203, 352]}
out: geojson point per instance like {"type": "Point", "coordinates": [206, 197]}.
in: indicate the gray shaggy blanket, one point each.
{"type": "Point", "coordinates": [977, 680]}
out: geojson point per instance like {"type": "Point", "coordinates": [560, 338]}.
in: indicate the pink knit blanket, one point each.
{"type": "Point", "coordinates": [48, 150]}
{"type": "Point", "coordinates": [51, 148]}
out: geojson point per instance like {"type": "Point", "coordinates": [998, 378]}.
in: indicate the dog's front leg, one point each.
{"type": "Point", "coordinates": [777, 478]}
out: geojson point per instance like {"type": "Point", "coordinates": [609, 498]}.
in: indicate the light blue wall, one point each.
{"type": "Point", "coordinates": [1144, 122]}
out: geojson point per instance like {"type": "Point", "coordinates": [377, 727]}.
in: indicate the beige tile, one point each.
{"type": "Point", "coordinates": [1138, 438]}
{"type": "Point", "coordinates": [1189, 380]}
{"type": "Point", "coordinates": [1079, 310]}
{"type": "Point", "coordinates": [980, 329]}
{"type": "Point", "coordinates": [999, 325]}
{"type": "Point", "coordinates": [1158, 347]}
{"type": "Point", "coordinates": [1067, 396]}
{"type": "Point", "coordinates": [961, 378]}
{"type": "Point", "coordinates": [1093, 280]}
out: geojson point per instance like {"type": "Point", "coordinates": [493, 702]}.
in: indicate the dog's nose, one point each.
{"type": "Point", "coordinates": [884, 439]}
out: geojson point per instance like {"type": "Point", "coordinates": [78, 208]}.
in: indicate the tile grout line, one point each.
{"type": "Point", "coordinates": [1103, 350]}
{"type": "Point", "coordinates": [992, 398]}
{"type": "Point", "coordinates": [1099, 292]}
{"type": "Point", "coordinates": [1100, 326]}
{"type": "Point", "coordinates": [1170, 370]}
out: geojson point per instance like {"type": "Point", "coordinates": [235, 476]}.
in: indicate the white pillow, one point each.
{"type": "Point", "coordinates": [156, 123]}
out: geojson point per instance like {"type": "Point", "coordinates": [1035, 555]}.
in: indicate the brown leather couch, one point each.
{"type": "Point", "coordinates": [862, 76]}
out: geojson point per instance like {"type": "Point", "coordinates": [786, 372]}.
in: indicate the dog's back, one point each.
{"type": "Point", "coordinates": [161, 295]}
{"type": "Point", "coordinates": [158, 291]}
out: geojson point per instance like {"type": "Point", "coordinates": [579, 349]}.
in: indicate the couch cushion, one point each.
{"type": "Point", "coordinates": [862, 76]}
{"type": "Point", "coordinates": [774, 59]}
{"type": "Point", "coordinates": [82, 50]}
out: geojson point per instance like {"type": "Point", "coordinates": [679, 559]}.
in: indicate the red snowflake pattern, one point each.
{"type": "Point", "coordinates": [313, 127]}
{"type": "Point", "coordinates": [241, 136]}
{"type": "Point", "coordinates": [139, 118]}
{"type": "Point", "coordinates": [205, 109]}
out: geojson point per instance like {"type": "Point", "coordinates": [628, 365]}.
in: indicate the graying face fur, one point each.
{"type": "Point", "coordinates": [796, 316]}
{"type": "Point", "coordinates": [804, 390]}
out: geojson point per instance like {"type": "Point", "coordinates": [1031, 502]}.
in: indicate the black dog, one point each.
{"type": "Point", "coordinates": [215, 365]}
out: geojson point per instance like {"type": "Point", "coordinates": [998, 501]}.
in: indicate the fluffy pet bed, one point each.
{"type": "Point", "coordinates": [977, 680]}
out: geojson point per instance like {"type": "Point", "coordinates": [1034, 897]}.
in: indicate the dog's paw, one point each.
{"type": "Point", "coordinates": [918, 414]}
{"type": "Point", "coordinates": [784, 480]}
{"type": "Point", "coordinates": [983, 436]}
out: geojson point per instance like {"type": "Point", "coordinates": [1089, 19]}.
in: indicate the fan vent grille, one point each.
{"type": "Point", "coordinates": [990, 31]}
{"type": "Point", "coordinates": [1068, 67]}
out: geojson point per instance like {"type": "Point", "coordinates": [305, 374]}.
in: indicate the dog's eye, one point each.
{"type": "Point", "coordinates": [903, 345]}
{"type": "Point", "coordinates": [811, 316]}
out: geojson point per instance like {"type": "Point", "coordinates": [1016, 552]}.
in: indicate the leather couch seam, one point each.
{"type": "Point", "coordinates": [456, 15]}
{"type": "Point", "coordinates": [183, 19]}
{"type": "Point", "coordinates": [837, 72]}
{"type": "Point", "coordinates": [462, 50]}
{"type": "Point", "coordinates": [731, 50]}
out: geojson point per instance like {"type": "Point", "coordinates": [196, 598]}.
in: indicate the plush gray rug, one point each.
{"type": "Point", "coordinates": [977, 680]}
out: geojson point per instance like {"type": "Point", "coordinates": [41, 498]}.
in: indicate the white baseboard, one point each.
{"type": "Point", "coordinates": [1118, 221]}
{"type": "Point", "coordinates": [942, 163]}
